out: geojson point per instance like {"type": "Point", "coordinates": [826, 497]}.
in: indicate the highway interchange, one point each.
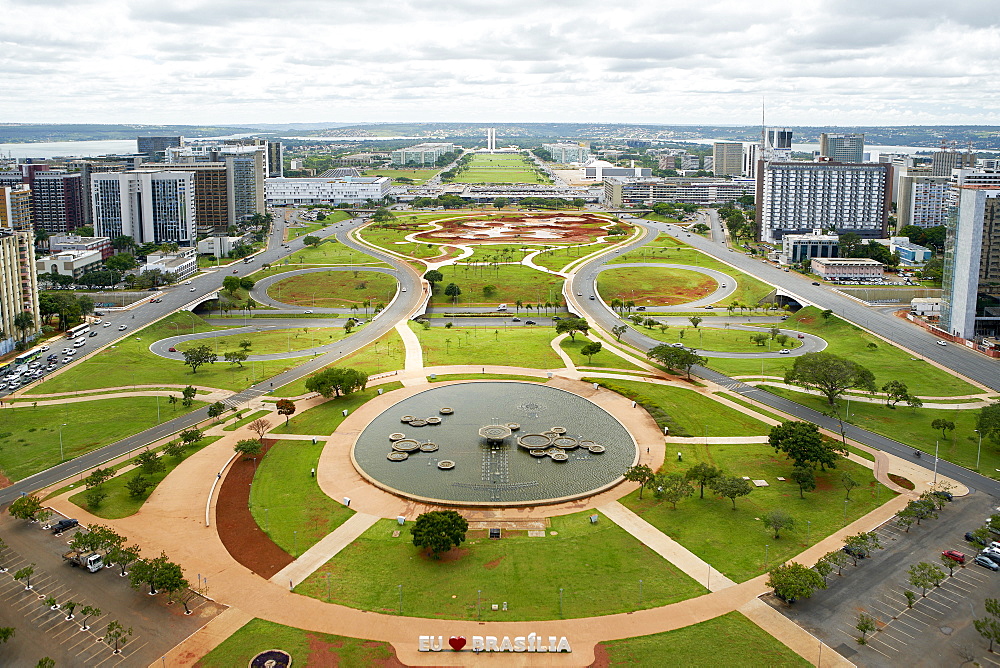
{"type": "Point", "coordinates": [580, 285]}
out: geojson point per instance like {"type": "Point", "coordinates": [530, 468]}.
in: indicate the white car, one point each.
{"type": "Point", "coordinates": [71, 353]}
{"type": "Point", "coordinates": [308, 311]}
{"type": "Point", "coordinates": [44, 348]}
{"type": "Point", "coordinates": [79, 343]}
{"type": "Point", "coordinates": [941, 343]}
{"type": "Point", "coordinates": [187, 282]}
{"type": "Point", "coordinates": [677, 345]}
{"type": "Point", "coordinates": [66, 350]}
{"type": "Point", "coordinates": [107, 324]}
{"type": "Point", "coordinates": [122, 328]}
{"type": "Point", "coordinates": [97, 321]}
{"type": "Point", "coordinates": [784, 351]}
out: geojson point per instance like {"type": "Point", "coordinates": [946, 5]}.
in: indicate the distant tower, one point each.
{"type": "Point", "coordinates": [491, 139]}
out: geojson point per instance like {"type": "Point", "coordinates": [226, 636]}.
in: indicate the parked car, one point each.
{"type": "Point", "coordinates": [815, 283]}
{"type": "Point", "coordinates": [947, 496]}
{"type": "Point", "coordinates": [972, 538]}
{"type": "Point", "coordinates": [986, 562]}
{"type": "Point", "coordinates": [855, 552]}
{"type": "Point", "coordinates": [954, 555]}
{"type": "Point", "coordinates": [63, 525]}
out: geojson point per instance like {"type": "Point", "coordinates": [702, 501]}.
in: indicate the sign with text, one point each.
{"type": "Point", "coordinates": [530, 643]}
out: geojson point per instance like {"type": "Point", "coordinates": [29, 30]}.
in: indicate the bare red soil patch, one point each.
{"type": "Point", "coordinates": [324, 654]}
{"type": "Point", "coordinates": [245, 541]}
{"type": "Point", "coordinates": [901, 481]}
{"type": "Point", "coordinates": [543, 228]}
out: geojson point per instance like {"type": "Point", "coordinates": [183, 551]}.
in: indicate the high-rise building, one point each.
{"type": "Point", "coordinates": [246, 169]}
{"type": "Point", "coordinates": [798, 197]}
{"type": "Point", "coordinates": [970, 303]}
{"type": "Point", "coordinates": [491, 139]}
{"type": "Point", "coordinates": [727, 158]}
{"type": "Point", "coordinates": [18, 286]}
{"type": "Point", "coordinates": [15, 208]}
{"type": "Point", "coordinates": [56, 201]}
{"type": "Point", "coordinates": [154, 147]}
{"type": "Point", "coordinates": [944, 161]}
{"type": "Point", "coordinates": [751, 154]}
{"type": "Point", "coordinates": [842, 146]}
{"type": "Point", "coordinates": [275, 160]}
{"type": "Point", "coordinates": [89, 167]}
{"type": "Point", "coordinates": [922, 200]}
{"type": "Point", "coordinates": [149, 206]}
{"type": "Point", "coordinates": [776, 144]}
{"type": "Point", "coordinates": [627, 191]}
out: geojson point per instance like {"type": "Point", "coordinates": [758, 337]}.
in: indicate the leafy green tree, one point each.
{"type": "Point", "coordinates": [837, 558]}
{"type": "Point", "coordinates": [778, 519]}
{"type": "Point", "coordinates": [675, 358]}
{"type": "Point", "coordinates": [191, 436]}
{"type": "Point", "coordinates": [336, 381]}
{"type": "Point", "coordinates": [988, 421]}
{"type": "Point", "coordinates": [439, 531]}
{"type": "Point", "coordinates": [121, 262]}
{"type": "Point", "coordinates": [803, 444]}
{"type": "Point", "coordinates": [865, 624]}
{"type": "Point", "coordinates": [124, 556]}
{"type": "Point", "coordinates": [731, 487]}
{"type": "Point", "coordinates": [285, 407]}
{"type": "Point", "coordinates": [97, 477]}
{"type": "Point", "coordinates": [618, 330]}
{"type": "Point", "coordinates": [245, 344]}
{"type": "Point", "coordinates": [830, 374]}
{"type": "Point", "coordinates": [188, 393]}
{"type": "Point", "coordinates": [849, 483]}
{"type": "Point", "coordinates": [216, 409]}
{"type": "Point", "coordinates": [249, 447]}
{"type": "Point", "coordinates": [672, 487]}
{"type": "Point", "coordinates": [236, 357]}
{"type": "Point", "coordinates": [695, 321]}
{"type": "Point", "coordinates": [433, 276]}
{"type": "Point", "coordinates": [174, 449]}
{"type": "Point", "coordinates": [231, 284]}
{"type": "Point", "coordinates": [6, 633]}
{"type": "Point", "coordinates": [311, 240]}
{"type": "Point", "coordinates": [198, 356]}
{"type": "Point", "coordinates": [895, 391]}
{"type": "Point", "coordinates": [793, 581]}
{"type": "Point", "coordinates": [703, 474]}
{"type": "Point", "coordinates": [924, 575]}
{"type": "Point", "coordinates": [823, 567]}
{"type": "Point", "coordinates": [943, 425]}
{"type": "Point", "coordinates": [117, 636]}
{"type": "Point", "coordinates": [571, 326]}
{"type": "Point", "coordinates": [88, 611]}
{"type": "Point", "coordinates": [591, 349]}
{"type": "Point", "coordinates": [988, 628]}
{"type": "Point", "coordinates": [453, 291]}
{"type": "Point", "coordinates": [804, 476]}
{"type": "Point", "coordinates": [247, 283]}
{"type": "Point", "coordinates": [149, 462]}
{"type": "Point", "coordinates": [23, 321]}
{"type": "Point", "coordinates": [138, 485]}
{"type": "Point", "coordinates": [25, 574]}
{"type": "Point", "coordinates": [94, 497]}
{"type": "Point", "coordinates": [148, 572]}
{"type": "Point", "coordinates": [25, 507]}
{"type": "Point", "coordinates": [948, 563]}
{"type": "Point", "coordinates": [641, 474]}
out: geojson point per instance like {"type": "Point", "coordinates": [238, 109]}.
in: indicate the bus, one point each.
{"type": "Point", "coordinates": [29, 356]}
{"type": "Point", "coordinates": [79, 330]}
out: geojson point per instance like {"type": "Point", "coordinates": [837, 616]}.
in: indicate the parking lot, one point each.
{"type": "Point", "coordinates": [43, 632]}
{"type": "Point", "coordinates": [938, 630]}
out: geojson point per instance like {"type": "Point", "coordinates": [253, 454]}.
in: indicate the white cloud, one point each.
{"type": "Point", "coordinates": [648, 61]}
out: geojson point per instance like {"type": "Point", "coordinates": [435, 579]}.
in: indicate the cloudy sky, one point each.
{"type": "Point", "coordinates": [817, 62]}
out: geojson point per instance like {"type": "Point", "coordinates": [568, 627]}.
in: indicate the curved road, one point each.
{"type": "Point", "coordinates": [718, 295]}
{"type": "Point", "coordinates": [259, 290]}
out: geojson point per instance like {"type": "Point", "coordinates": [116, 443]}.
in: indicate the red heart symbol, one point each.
{"type": "Point", "coordinates": [457, 642]}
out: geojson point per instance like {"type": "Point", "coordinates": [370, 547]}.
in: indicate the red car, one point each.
{"type": "Point", "coordinates": [236, 271]}
{"type": "Point", "coordinates": [801, 336]}
{"type": "Point", "coordinates": [954, 555]}
{"type": "Point", "coordinates": [172, 349]}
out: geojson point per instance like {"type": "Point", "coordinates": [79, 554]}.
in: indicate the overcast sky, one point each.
{"type": "Point", "coordinates": [817, 62]}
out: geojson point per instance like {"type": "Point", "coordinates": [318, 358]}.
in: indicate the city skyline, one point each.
{"type": "Point", "coordinates": [304, 61]}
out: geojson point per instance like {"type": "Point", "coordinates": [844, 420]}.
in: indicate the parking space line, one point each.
{"type": "Point", "coordinates": [995, 663]}
{"type": "Point", "coordinates": [885, 629]}
{"type": "Point", "coordinates": [968, 591]}
{"type": "Point", "coordinates": [937, 606]}
{"type": "Point", "coordinates": [914, 611]}
{"type": "Point", "coordinates": [952, 597]}
{"type": "Point", "coordinates": [876, 639]}
{"type": "Point", "coordinates": [883, 611]}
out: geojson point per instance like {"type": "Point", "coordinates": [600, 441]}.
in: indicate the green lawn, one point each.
{"type": "Point", "coordinates": [333, 289]}
{"type": "Point", "coordinates": [119, 503]}
{"type": "Point", "coordinates": [734, 541]}
{"type": "Point", "coordinates": [393, 239]}
{"type": "Point", "coordinates": [307, 648]}
{"type": "Point", "coordinates": [500, 169]}
{"type": "Point", "coordinates": [129, 362]}
{"type": "Point", "coordinates": [712, 338]}
{"type": "Point", "coordinates": [557, 258]}
{"type": "Point", "coordinates": [655, 286]}
{"type": "Point", "coordinates": [325, 418]}
{"type": "Point", "coordinates": [513, 346]}
{"type": "Point", "coordinates": [511, 283]}
{"type": "Point", "coordinates": [598, 567]}
{"type": "Point", "coordinates": [245, 419]}
{"type": "Point", "coordinates": [286, 501]}
{"type": "Point", "coordinates": [29, 437]}
{"type": "Point", "coordinates": [727, 640]}
{"type": "Point", "coordinates": [485, 376]}
{"type": "Point", "coordinates": [416, 177]}
{"type": "Point", "coordinates": [306, 228]}
{"type": "Point", "coordinates": [913, 427]}
{"type": "Point", "coordinates": [604, 359]}
{"type": "Point", "coordinates": [885, 361]}
{"type": "Point", "coordinates": [689, 413]}
{"type": "Point", "coordinates": [386, 354]}
{"type": "Point", "coordinates": [269, 341]}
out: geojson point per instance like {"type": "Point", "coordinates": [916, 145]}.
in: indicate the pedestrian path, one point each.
{"type": "Point", "coordinates": [566, 359]}
{"type": "Point", "coordinates": [324, 550]}
{"type": "Point", "coordinates": [411, 344]}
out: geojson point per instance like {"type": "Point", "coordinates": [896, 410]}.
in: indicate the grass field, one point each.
{"type": "Point", "coordinates": [500, 169]}
{"type": "Point", "coordinates": [604, 359]}
{"type": "Point", "coordinates": [286, 501]}
{"type": "Point", "coordinates": [383, 355]}
{"type": "Point", "coordinates": [557, 258]}
{"type": "Point", "coordinates": [713, 338]}
{"type": "Point", "coordinates": [245, 418]}
{"type": "Point", "coordinates": [701, 646]}
{"type": "Point", "coordinates": [511, 283]}
{"type": "Point", "coordinates": [734, 541]}
{"type": "Point", "coordinates": [335, 289]}
{"type": "Point", "coordinates": [485, 376]}
{"type": "Point", "coordinates": [597, 566]}
{"type": "Point", "coordinates": [30, 436]}
{"type": "Point", "coordinates": [304, 229]}
{"type": "Point", "coordinates": [691, 413]}
{"type": "Point", "coordinates": [913, 427]}
{"type": "Point", "coordinates": [129, 362]}
{"type": "Point", "coordinates": [393, 239]}
{"type": "Point", "coordinates": [654, 286]}
{"type": "Point", "coordinates": [417, 177]}
{"type": "Point", "coordinates": [269, 341]}
{"type": "Point", "coordinates": [514, 346]}
{"type": "Point", "coordinates": [306, 648]}
{"type": "Point", "coordinates": [119, 503]}
{"type": "Point", "coordinates": [324, 419]}
{"type": "Point", "coordinates": [885, 361]}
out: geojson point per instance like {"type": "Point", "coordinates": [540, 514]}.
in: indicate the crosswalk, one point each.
{"type": "Point", "coordinates": [243, 397]}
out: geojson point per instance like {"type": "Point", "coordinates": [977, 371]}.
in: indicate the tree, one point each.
{"type": "Point", "coordinates": [149, 462]}
{"type": "Point", "coordinates": [988, 628]}
{"type": "Point", "coordinates": [88, 611]}
{"type": "Point", "coordinates": [675, 358]}
{"type": "Point", "coordinates": [285, 407]}
{"type": "Point", "coordinates": [500, 202]}
{"type": "Point", "coordinates": [336, 381]}
{"type": "Point", "coordinates": [124, 556]}
{"type": "Point", "coordinates": [231, 284]}
{"type": "Point", "coordinates": [245, 344]}
{"type": "Point", "coordinates": [453, 291]}
{"type": "Point", "coordinates": [571, 326]}
{"type": "Point", "coordinates": [6, 633]}
{"type": "Point", "coordinates": [24, 321]}
{"type": "Point", "coordinates": [948, 563]}
{"type": "Point", "coordinates": [148, 572]}
{"type": "Point", "coordinates": [988, 421]}
{"type": "Point", "coordinates": [249, 447]}
{"type": "Point", "coordinates": [191, 436]}
{"type": "Point", "coordinates": [433, 276]}
{"type": "Point", "coordinates": [829, 374]}
{"type": "Point", "coordinates": [97, 477]}
{"type": "Point", "coordinates": [703, 474]}
{"type": "Point", "coordinates": [117, 636]}
{"type": "Point", "coordinates": [778, 519]}
{"type": "Point", "coordinates": [925, 575]}
{"type": "Point", "coordinates": [170, 578]}
{"type": "Point", "coordinates": [695, 321]}
{"type": "Point", "coordinates": [793, 581]}
{"type": "Point", "coordinates": [865, 624]}
{"type": "Point", "coordinates": [804, 476]}
{"type": "Point", "coordinates": [25, 574]}
{"type": "Point", "coordinates": [837, 558]}
{"type": "Point", "coordinates": [25, 507]}
{"type": "Point", "coordinates": [138, 485]}
{"type": "Point", "coordinates": [439, 531]}
{"type": "Point", "coordinates": [943, 425]}
{"type": "Point", "coordinates": [803, 444]}
{"type": "Point", "coordinates": [94, 497]}
{"type": "Point", "coordinates": [895, 391]}
{"type": "Point", "coordinates": [236, 357]}
{"type": "Point", "coordinates": [641, 474]}
{"type": "Point", "coordinates": [591, 349]}
{"type": "Point", "coordinates": [199, 355]}
{"type": "Point", "coordinates": [823, 567]}
{"type": "Point", "coordinates": [731, 487]}
{"type": "Point", "coordinates": [618, 330]}
{"type": "Point", "coordinates": [216, 409]}
{"type": "Point", "coordinates": [849, 483]}
{"type": "Point", "coordinates": [672, 487]}
{"type": "Point", "coordinates": [121, 262]}
{"type": "Point", "coordinates": [188, 393]}
{"type": "Point", "coordinates": [259, 427]}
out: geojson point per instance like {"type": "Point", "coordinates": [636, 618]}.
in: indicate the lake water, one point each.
{"type": "Point", "coordinates": [60, 149]}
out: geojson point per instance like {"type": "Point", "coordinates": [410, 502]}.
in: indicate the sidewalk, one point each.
{"type": "Point", "coordinates": [325, 550]}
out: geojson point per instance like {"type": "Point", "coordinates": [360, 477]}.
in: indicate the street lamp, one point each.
{"type": "Point", "coordinates": [61, 456]}
{"type": "Point", "coordinates": [980, 448]}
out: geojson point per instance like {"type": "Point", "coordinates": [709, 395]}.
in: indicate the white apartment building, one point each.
{"type": "Point", "coordinates": [922, 200]}
{"type": "Point", "coordinates": [727, 158]}
{"type": "Point", "coordinates": [798, 247]}
{"type": "Point", "coordinates": [567, 152]}
{"type": "Point", "coordinates": [73, 263]}
{"type": "Point", "coordinates": [797, 197]}
{"type": "Point", "coordinates": [622, 191]}
{"type": "Point", "coordinates": [18, 284]}
{"type": "Point", "coordinates": [970, 303]}
{"type": "Point", "coordinates": [282, 192]}
{"type": "Point", "coordinates": [181, 264]}
{"type": "Point", "coordinates": [149, 206]}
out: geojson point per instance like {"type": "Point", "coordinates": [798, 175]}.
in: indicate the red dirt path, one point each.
{"type": "Point", "coordinates": [244, 540]}
{"type": "Point", "coordinates": [583, 229]}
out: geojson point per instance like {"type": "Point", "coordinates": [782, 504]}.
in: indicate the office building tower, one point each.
{"type": "Point", "coordinates": [727, 158]}
{"type": "Point", "coordinates": [18, 286]}
{"type": "Point", "coordinates": [275, 160]}
{"type": "Point", "coordinates": [87, 169]}
{"type": "Point", "coordinates": [246, 169]}
{"type": "Point", "coordinates": [944, 161]}
{"type": "Point", "coordinates": [798, 197]}
{"type": "Point", "coordinates": [842, 146]}
{"type": "Point", "coordinates": [776, 144]}
{"type": "Point", "coordinates": [751, 154]}
{"type": "Point", "coordinates": [629, 191]}
{"type": "Point", "coordinates": [56, 201]}
{"type": "Point", "coordinates": [970, 303]}
{"type": "Point", "coordinates": [15, 208]}
{"type": "Point", "coordinates": [155, 147]}
{"type": "Point", "coordinates": [422, 155]}
{"type": "Point", "coordinates": [922, 200]}
{"type": "Point", "coordinates": [491, 139]}
{"type": "Point", "coordinates": [149, 206]}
